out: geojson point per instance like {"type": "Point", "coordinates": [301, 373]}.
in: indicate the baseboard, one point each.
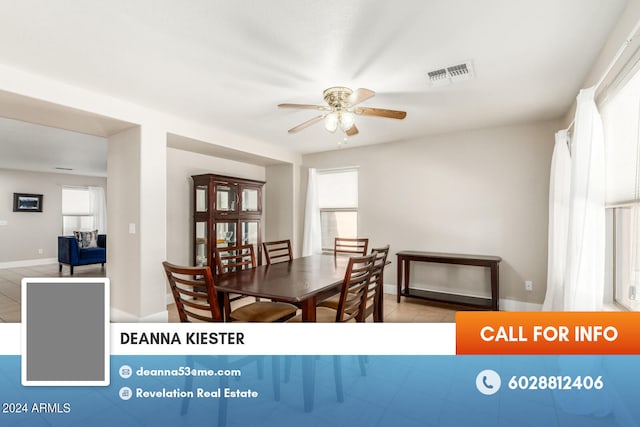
{"type": "Point", "coordinates": [28, 262]}
{"type": "Point", "coordinates": [120, 316]}
{"type": "Point", "coordinates": [159, 317]}
{"type": "Point", "coordinates": [513, 305]}
{"type": "Point", "coordinates": [390, 289]}
{"type": "Point", "coordinates": [505, 304]}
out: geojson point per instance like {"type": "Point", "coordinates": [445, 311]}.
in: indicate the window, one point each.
{"type": "Point", "coordinates": [76, 210]}
{"type": "Point", "coordinates": [338, 203]}
{"type": "Point", "coordinates": [625, 232]}
{"type": "Point", "coordinates": [620, 117]}
{"type": "Point", "coordinates": [83, 209]}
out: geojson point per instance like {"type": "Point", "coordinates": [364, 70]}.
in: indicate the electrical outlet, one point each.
{"type": "Point", "coordinates": [632, 293]}
{"type": "Point", "coordinates": [40, 251]}
{"type": "Point", "coordinates": [528, 285]}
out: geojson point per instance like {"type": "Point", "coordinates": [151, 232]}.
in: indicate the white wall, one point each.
{"type": "Point", "coordinates": [136, 211]}
{"type": "Point", "coordinates": [123, 208]}
{"type": "Point", "coordinates": [26, 232]}
{"type": "Point", "coordinates": [152, 228]}
{"type": "Point", "coordinates": [478, 192]}
{"type": "Point", "coordinates": [284, 208]}
{"type": "Point", "coordinates": [181, 165]}
{"type": "Point", "coordinates": [279, 209]}
{"type": "Point", "coordinates": [618, 37]}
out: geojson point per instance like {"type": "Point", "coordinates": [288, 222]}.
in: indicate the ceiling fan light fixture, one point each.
{"type": "Point", "coordinates": [341, 109]}
{"type": "Point", "coordinates": [347, 120]}
{"type": "Point", "coordinates": [331, 122]}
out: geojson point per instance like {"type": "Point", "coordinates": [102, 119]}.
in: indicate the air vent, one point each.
{"type": "Point", "coordinates": [451, 74]}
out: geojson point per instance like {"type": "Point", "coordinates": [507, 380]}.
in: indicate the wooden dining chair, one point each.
{"type": "Point", "coordinates": [230, 259]}
{"type": "Point", "coordinates": [351, 306]}
{"type": "Point", "coordinates": [278, 251]}
{"type": "Point", "coordinates": [242, 257]}
{"type": "Point", "coordinates": [375, 292]}
{"type": "Point", "coordinates": [376, 286]}
{"type": "Point", "coordinates": [193, 292]}
{"type": "Point", "coordinates": [234, 258]}
{"type": "Point", "coordinates": [353, 293]}
{"type": "Point", "coordinates": [375, 295]}
{"type": "Point", "coordinates": [196, 299]}
{"type": "Point", "coordinates": [350, 246]}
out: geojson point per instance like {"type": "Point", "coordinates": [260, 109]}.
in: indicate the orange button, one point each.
{"type": "Point", "coordinates": [547, 332]}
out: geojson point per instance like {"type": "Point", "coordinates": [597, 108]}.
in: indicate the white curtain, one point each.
{"type": "Point", "coordinates": [584, 275]}
{"type": "Point", "coordinates": [98, 208]}
{"type": "Point", "coordinates": [559, 198]}
{"type": "Point", "coordinates": [311, 242]}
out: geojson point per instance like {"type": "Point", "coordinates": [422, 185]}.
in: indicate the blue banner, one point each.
{"type": "Point", "coordinates": [336, 390]}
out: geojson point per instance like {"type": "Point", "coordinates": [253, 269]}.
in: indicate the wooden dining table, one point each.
{"type": "Point", "coordinates": [303, 281]}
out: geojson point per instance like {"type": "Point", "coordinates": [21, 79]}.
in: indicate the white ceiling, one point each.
{"type": "Point", "coordinates": [31, 147]}
{"type": "Point", "coordinates": [229, 63]}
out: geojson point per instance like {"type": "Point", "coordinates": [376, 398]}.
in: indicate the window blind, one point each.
{"type": "Point", "coordinates": [621, 121]}
{"type": "Point", "coordinates": [338, 188]}
{"type": "Point", "coordinates": [75, 201]}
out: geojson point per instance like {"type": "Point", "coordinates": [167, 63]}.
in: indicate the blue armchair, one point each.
{"type": "Point", "coordinates": [70, 253]}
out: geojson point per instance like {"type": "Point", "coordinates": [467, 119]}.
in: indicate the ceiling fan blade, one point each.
{"type": "Point", "coordinates": [305, 107]}
{"type": "Point", "coordinates": [380, 112]}
{"type": "Point", "coordinates": [307, 124]}
{"type": "Point", "coordinates": [353, 131]}
{"type": "Point", "coordinates": [361, 95]}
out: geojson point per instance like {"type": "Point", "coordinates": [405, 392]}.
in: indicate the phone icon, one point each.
{"type": "Point", "coordinates": [485, 383]}
{"type": "Point", "coordinates": [488, 382]}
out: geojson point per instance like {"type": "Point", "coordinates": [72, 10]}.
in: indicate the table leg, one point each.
{"type": "Point", "coordinates": [399, 283]}
{"type": "Point", "coordinates": [308, 310]}
{"type": "Point", "coordinates": [378, 310]}
{"type": "Point", "coordinates": [407, 267]}
{"type": "Point", "coordinates": [308, 363]}
{"type": "Point", "coordinates": [494, 286]}
{"type": "Point", "coordinates": [222, 299]}
{"type": "Point", "coordinates": [378, 313]}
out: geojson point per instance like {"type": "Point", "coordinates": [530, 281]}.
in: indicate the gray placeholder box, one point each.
{"type": "Point", "coordinates": [65, 331]}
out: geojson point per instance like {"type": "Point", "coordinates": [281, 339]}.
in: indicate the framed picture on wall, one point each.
{"type": "Point", "coordinates": [27, 202]}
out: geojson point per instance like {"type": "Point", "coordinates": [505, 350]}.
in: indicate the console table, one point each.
{"type": "Point", "coordinates": [404, 264]}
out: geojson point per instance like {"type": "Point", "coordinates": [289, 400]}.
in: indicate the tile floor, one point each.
{"type": "Point", "coordinates": [10, 279]}
{"type": "Point", "coordinates": [408, 311]}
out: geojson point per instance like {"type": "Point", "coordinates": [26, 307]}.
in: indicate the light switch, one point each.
{"type": "Point", "coordinates": [132, 228]}
{"type": "Point", "coordinates": [3, 222]}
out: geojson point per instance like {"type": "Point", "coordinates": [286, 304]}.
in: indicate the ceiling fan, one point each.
{"type": "Point", "coordinates": [341, 108]}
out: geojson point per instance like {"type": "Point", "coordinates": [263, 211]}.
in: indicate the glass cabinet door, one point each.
{"type": "Point", "coordinates": [250, 231]}
{"type": "Point", "coordinates": [226, 233]}
{"type": "Point", "coordinates": [226, 197]}
{"type": "Point", "coordinates": [201, 198]}
{"type": "Point", "coordinates": [201, 243]}
{"type": "Point", "coordinates": [250, 199]}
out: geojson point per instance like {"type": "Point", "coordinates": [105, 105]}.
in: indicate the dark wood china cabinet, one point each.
{"type": "Point", "coordinates": [227, 211]}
